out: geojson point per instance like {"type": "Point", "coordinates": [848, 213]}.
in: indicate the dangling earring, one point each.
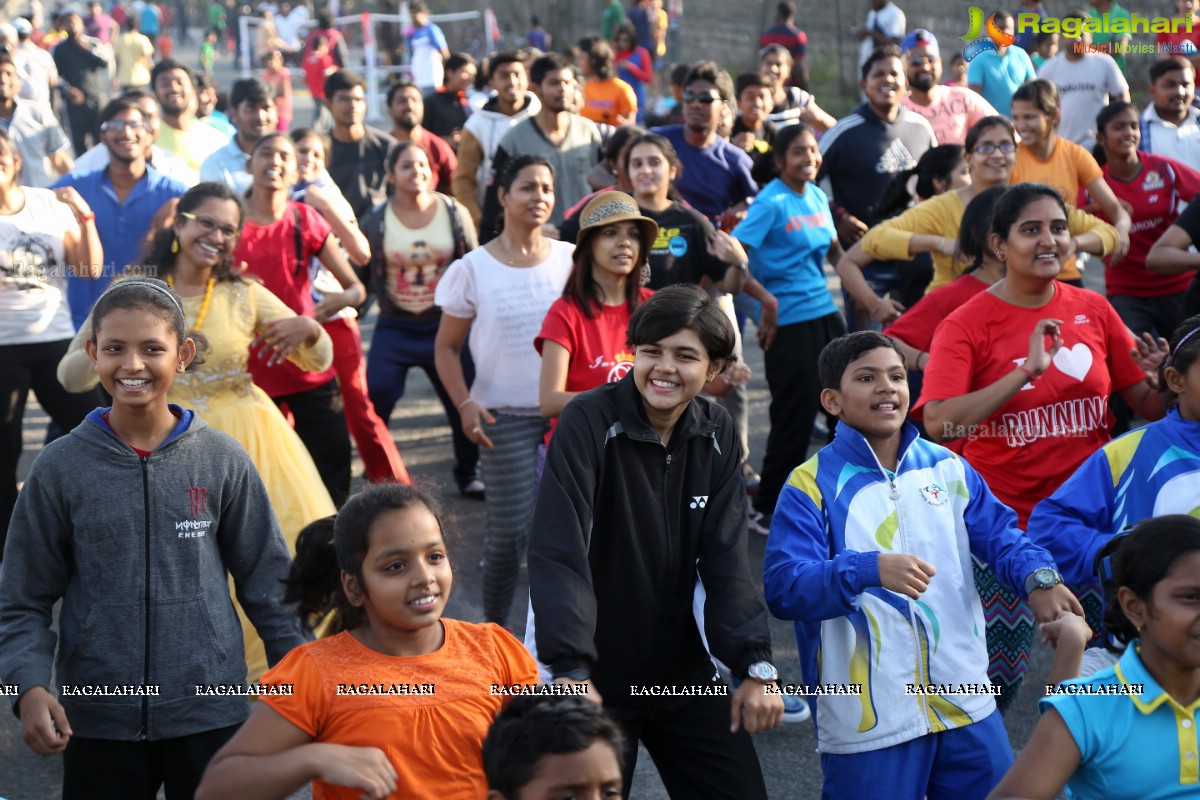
{"type": "Point", "coordinates": [644, 278]}
{"type": "Point", "coordinates": [175, 245]}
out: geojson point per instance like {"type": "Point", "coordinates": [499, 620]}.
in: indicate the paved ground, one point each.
{"type": "Point", "coordinates": [788, 756]}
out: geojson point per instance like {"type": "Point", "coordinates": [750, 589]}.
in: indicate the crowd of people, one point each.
{"type": "Point", "coordinates": [574, 247]}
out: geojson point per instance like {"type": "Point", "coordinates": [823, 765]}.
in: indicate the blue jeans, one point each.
{"type": "Point", "coordinates": [399, 346]}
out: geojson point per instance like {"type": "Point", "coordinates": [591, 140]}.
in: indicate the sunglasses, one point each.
{"type": "Point", "coordinates": [122, 125]}
{"type": "Point", "coordinates": [920, 61]}
{"type": "Point", "coordinates": [707, 98]}
{"type": "Point", "coordinates": [988, 149]}
{"type": "Point", "coordinates": [209, 225]}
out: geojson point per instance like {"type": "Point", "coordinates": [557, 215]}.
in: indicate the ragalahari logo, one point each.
{"type": "Point", "coordinates": [995, 39]}
{"type": "Point", "coordinates": [987, 35]}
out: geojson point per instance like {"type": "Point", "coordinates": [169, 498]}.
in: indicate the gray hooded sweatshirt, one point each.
{"type": "Point", "coordinates": [139, 549]}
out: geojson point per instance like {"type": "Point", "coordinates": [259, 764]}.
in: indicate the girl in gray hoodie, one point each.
{"type": "Point", "coordinates": [135, 520]}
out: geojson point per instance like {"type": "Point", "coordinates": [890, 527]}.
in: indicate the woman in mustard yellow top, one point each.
{"type": "Point", "coordinates": [240, 320]}
{"type": "Point", "coordinates": [932, 226]}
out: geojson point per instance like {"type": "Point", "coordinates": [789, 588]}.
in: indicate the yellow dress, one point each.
{"type": "Point", "coordinates": [221, 391]}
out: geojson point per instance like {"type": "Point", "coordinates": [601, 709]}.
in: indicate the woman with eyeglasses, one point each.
{"type": "Point", "coordinates": [43, 233]}
{"type": "Point", "coordinates": [280, 237]}
{"type": "Point", "coordinates": [242, 322]}
{"type": "Point", "coordinates": [933, 225]}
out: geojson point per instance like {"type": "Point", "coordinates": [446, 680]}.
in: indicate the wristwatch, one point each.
{"type": "Point", "coordinates": [577, 674]}
{"type": "Point", "coordinates": [762, 672]}
{"type": "Point", "coordinates": [1042, 578]}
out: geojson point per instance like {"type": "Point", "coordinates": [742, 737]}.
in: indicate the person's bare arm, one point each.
{"type": "Point", "coordinates": [269, 757]}
{"type": "Point", "coordinates": [341, 218]}
{"type": "Point", "coordinates": [552, 387]}
{"type": "Point", "coordinates": [353, 292]}
{"type": "Point", "coordinates": [1044, 765]}
{"type": "Point", "coordinates": [962, 412]}
{"type": "Point", "coordinates": [1172, 253]}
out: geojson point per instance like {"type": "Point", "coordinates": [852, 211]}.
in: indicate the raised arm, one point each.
{"type": "Point", "coordinates": [949, 419]}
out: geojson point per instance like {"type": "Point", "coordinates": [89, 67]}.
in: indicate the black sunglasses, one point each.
{"type": "Point", "coordinates": [707, 98]}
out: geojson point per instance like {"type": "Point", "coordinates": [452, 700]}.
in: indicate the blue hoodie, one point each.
{"type": "Point", "coordinates": [1148, 472]}
{"type": "Point", "coordinates": [139, 549]}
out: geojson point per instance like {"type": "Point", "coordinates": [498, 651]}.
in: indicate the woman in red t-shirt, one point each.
{"type": "Point", "coordinates": [1023, 372]}
{"type": "Point", "coordinates": [1153, 186]}
{"type": "Point", "coordinates": [278, 239]}
{"type": "Point", "coordinates": [582, 341]}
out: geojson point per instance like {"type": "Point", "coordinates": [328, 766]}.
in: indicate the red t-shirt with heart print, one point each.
{"type": "Point", "coordinates": [1037, 439]}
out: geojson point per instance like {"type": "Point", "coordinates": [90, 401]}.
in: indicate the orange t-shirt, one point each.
{"type": "Point", "coordinates": [431, 722]}
{"type": "Point", "coordinates": [604, 101]}
{"type": "Point", "coordinates": [1069, 169]}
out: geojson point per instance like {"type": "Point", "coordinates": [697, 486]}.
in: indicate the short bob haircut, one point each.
{"type": "Point", "coordinates": [684, 307]}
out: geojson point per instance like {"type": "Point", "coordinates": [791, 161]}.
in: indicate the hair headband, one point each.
{"type": "Point", "coordinates": [151, 283]}
{"type": "Point", "coordinates": [1182, 341]}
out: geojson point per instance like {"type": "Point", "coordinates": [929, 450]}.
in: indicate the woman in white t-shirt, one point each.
{"type": "Point", "coordinates": [42, 234]}
{"type": "Point", "coordinates": [499, 294]}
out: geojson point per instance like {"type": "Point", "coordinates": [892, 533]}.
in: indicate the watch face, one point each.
{"type": "Point", "coordinates": [762, 671]}
{"type": "Point", "coordinates": [1045, 577]}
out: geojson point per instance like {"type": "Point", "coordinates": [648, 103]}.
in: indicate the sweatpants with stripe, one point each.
{"type": "Point", "coordinates": [510, 472]}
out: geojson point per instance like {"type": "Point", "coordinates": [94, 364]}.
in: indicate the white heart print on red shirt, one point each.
{"type": "Point", "coordinates": [1074, 361]}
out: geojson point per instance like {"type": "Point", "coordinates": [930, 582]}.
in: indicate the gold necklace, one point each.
{"type": "Point", "coordinates": [208, 293]}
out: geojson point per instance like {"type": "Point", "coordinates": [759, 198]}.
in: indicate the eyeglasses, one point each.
{"type": "Point", "coordinates": [210, 225]}
{"type": "Point", "coordinates": [707, 98]}
{"type": "Point", "coordinates": [121, 125]}
{"type": "Point", "coordinates": [920, 61]}
{"type": "Point", "coordinates": [988, 149]}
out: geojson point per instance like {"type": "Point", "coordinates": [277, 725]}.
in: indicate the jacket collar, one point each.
{"type": "Point", "coordinates": [636, 425]}
{"type": "Point", "coordinates": [185, 419]}
{"type": "Point", "coordinates": [851, 446]}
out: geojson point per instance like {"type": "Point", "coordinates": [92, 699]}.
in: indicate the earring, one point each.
{"type": "Point", "coordinates": [1000, 256]}
{"type": "Point", "coordinates": [174, 245]}
{"type": "Point", "coordinates": [644, 278]}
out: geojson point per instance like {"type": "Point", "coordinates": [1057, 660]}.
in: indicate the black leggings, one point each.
{"type": "Point", "coordinates": [24, 367]}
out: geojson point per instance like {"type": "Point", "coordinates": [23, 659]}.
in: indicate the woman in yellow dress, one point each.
{"type": "Point", "coordinates": [240, 320]}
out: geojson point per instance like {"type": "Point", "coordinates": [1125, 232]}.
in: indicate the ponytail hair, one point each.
{"type": "Point", "coordinates": [314, 582]}
{"type": "Point", "coordinates": [938, 163]}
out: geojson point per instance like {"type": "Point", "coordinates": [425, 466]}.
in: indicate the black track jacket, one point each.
{"type": "Point", "coordinates": [624, 526]}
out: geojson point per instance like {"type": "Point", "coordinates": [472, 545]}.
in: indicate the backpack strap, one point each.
{"type": "Point", "coordinates": [301, 261]}
{"type": "Point", "coordinates": [460, 236]}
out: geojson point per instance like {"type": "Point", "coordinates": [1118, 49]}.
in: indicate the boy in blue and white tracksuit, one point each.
{"type": "Point", "coordinates": [870, 553]}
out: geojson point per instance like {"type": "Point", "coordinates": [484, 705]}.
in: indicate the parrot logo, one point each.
{"type": "Point", "coordinates": [976, 26]}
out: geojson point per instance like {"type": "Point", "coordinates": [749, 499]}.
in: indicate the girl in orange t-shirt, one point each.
{"type": "Point", "coordinates": [1044, 157]}
{"type": "Point", "coordinates": [397, 705]}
